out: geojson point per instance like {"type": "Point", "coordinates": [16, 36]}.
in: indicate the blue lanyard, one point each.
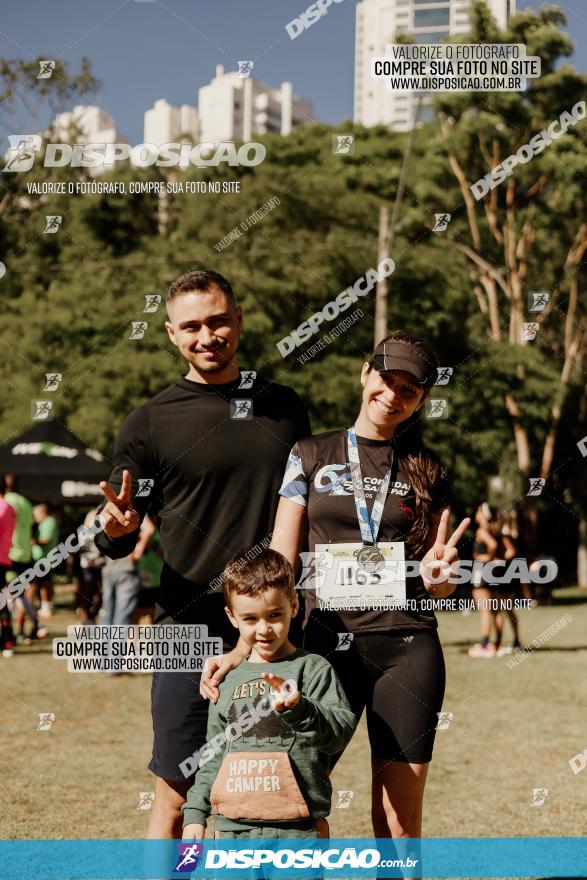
{"type": "Point", "coordinates": [369, 525]}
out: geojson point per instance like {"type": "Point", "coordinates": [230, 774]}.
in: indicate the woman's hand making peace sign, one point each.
{"type": "Point", "coordinates": [443, 554]}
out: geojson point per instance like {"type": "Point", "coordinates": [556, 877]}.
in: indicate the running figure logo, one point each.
{"type": "Point", "coordinates": [343, 144]}
{"type": "Point", "coordinates": [146, 799]}
{"type": "Point", "coordinates": [241, 409]}
{"type": "Point", "coordinates": [52, 381]}
{"type": "Point", "coordinates": [539, 795]}
{"type": "Point", "coordinates": [441, 222]}
{"type": "Point", "coordinates": [46, 719]}
{"type": "Point", "coordinates": [444, 374]}
{"type": "Point", "coordinates": [152, 302]}
{"type": "Point", "coordinates": [344, 800]}
{"type": "Point", "coordinates": [536, 486]}
{"type": "Point", "coordinates": [189, 854]}
{"type": "Point", "coordinates": [138, 329]}
{"type": "Point", "coordinates": [538, 300]}
{"type": "Point", "coordinates": [47, 68]}
{"type": "Point", "coordinates": [23, 149]}
{"type": "Point", "coordinates": [436, 408]}
{"type": "Point", "coordinates": [53, 222]}
{"type": "Point", "coordinates": [41, 409]}
{"type": "Point", "coordinates": [529, 332]}
{"type": "Point", "coordinates": [247, 379]}
{"type": "Point", "coordinates": [307, 559]}
{"type": "Point", "coordinates": [444, 719]}
{"type": "Point", "coordinates": [245, 68]}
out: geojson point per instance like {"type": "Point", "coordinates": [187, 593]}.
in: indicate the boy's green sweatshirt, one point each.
{"type": "Point", "coordinates": [266, 766]}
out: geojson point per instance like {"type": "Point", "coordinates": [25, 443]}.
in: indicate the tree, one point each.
{"type": "Point", "coordinates": [71, 298]}
{"type": "Point", "coordinates": [26, 91]}
{"type": "Point", "coordinates": [271, 726]}
{"type": "Point", "coordinates": [529, 233]}
{"type": "Point", "coordinates": [250, 733]}
{"type": "Point", "coordinates": [232, 714]}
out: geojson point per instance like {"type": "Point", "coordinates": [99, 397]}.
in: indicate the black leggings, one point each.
{"type": "Point", "coordinates": [398, 676]}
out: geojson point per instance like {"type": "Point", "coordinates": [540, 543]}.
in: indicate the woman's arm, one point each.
{"type": "Point", "coordinates": [509, 547]}
{"type": "Point", "coordinates": [288, 531]}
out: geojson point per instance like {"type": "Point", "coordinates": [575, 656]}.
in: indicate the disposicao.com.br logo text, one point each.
{"type": "Point", "coordinates": [24, 149]}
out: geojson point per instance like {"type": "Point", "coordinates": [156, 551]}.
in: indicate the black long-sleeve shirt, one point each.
{"type": "Point", "coordinates": [215, 478]}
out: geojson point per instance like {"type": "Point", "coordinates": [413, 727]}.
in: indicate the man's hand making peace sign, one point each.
{"type": "Point", "coordinates": [121, 517]}
{"type": "Point", "coordinates": [443, 554]}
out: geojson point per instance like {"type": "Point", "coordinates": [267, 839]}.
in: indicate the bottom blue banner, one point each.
{"type": "Point", "coordinates": [525, 857]}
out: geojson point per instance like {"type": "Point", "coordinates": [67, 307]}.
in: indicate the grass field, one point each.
{"type": "Point", "coordinates": [513, 730]}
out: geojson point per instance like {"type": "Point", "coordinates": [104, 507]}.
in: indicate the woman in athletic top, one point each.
{"type": "Point", "coordinates": [494, 599]}
{"type": "Point", "coordinates": [485, 549]}
{"type": "Point", "coordinates": [366, 499]}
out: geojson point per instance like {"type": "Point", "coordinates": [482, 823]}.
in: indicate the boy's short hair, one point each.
{"type": "Point", "coordinates": [254, 570]}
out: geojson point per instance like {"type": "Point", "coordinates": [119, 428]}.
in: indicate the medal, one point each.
{"type": "Point", "coordinates": [370, 558]}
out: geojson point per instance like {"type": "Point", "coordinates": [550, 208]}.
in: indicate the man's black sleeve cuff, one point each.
{"type": "Point", "coordinates": [116, 548]}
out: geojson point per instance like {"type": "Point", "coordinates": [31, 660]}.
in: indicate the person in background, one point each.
{"type": "Point", "coordinates": [21, 558]}
{"type": "Point", "coordinates": [511, 533]}
{"type": "Point", "coordinates": [7, 525]}
{"type": "Point", "coordinates": [505, 592]}
{"type": "Point", "coordinates": [149, 554]}
{"type": "Point", "coordinates": [484, 550]}
{"type": "Point", "coordinates": [542, 593]}
{"type": "Point", "coordinates": [120, 591]}
{"type": "Point", "coordinates": [47, 538]}
{"type": "Point", "coordinates": [89, 575]}
{"type": "Point", "coordinates": [492, 544]}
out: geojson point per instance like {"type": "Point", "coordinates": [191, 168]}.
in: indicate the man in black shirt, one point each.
{"type": "Point", "coordinates": [206, 456]}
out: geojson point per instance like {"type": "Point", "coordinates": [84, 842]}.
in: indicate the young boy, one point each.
{"type": "Point", "coordinates": [280, 713]}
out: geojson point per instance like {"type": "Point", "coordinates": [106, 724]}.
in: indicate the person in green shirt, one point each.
{"type": "Point", "coordinates": [21, 558]}
{"type": "Point", "coordinates": [149, 555]}
{"type": "Point", "coordinates": [47, 538]}
{"type": "Point", "coordinates": [279, 715]}
{"type": "Point", "coordinates": [22, 543]}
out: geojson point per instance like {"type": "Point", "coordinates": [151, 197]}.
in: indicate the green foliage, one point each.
{"type": "Point", "coordinates": [22, 92]}
{"type": "Point", "coordinates": [69, 299]}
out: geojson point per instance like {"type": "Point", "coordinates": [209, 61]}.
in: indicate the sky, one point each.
{"type": "Point", "coordinates": [142, 50]}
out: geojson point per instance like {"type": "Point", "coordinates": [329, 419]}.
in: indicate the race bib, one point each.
{"type": "Point", "coordinates": [342, 584]}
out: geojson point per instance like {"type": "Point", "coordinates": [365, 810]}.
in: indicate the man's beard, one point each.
{"type": "Point", "coordinates": [214, 367]}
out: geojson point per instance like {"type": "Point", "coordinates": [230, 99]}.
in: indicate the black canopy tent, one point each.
{"type": "Point", "coordinates": [51, 464]}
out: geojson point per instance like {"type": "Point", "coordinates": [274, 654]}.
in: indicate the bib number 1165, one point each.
{"type": "Point", "coordinates": [347, 575]}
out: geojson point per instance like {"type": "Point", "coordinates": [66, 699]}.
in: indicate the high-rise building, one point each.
{"type": "Point", "coordinates": [165, 124]}
{"type": "Point", "coordinates": [234, 106]}
{"type": "Point", "coordinates": [428, 21]}
{"type": "Point", "coordinates": [89, 124]}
